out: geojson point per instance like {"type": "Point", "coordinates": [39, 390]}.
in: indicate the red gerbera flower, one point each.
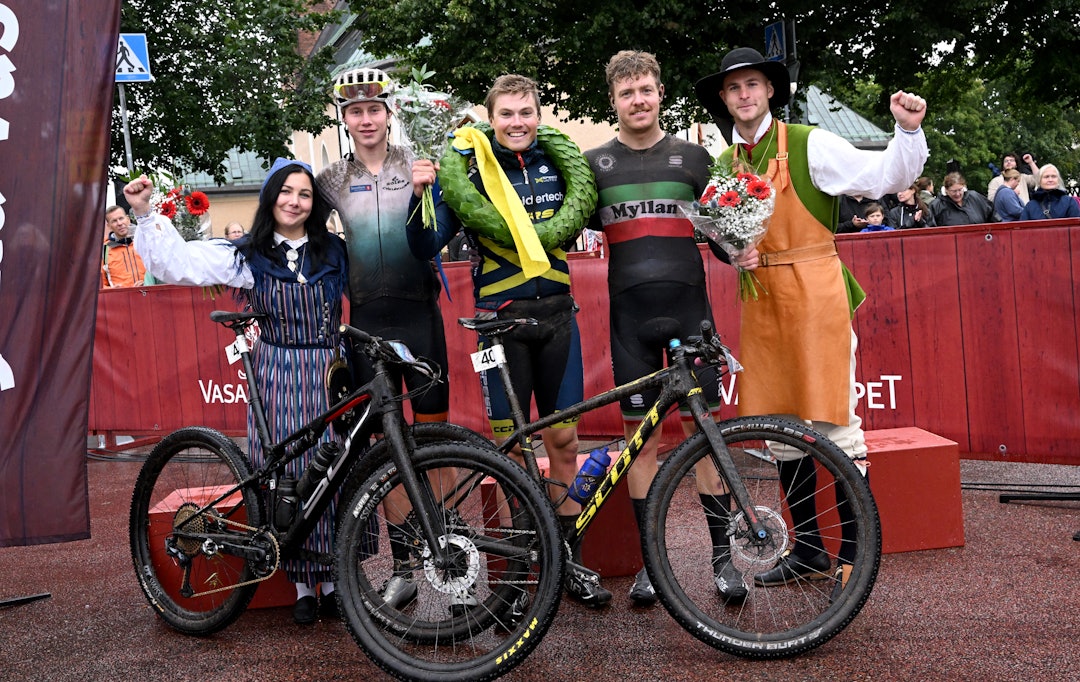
{"type": "Point", "coordinates": [197, 203]}
{"type": "Point", "coordinates": [729, 198]}
{"type": "Point", "coordinates": [168, 209]}
{"type": "Point", "coordinates": [173, 193]}
{"type": "Point", "coordinates": [710, 192]}
{"type": "Point", "coordinates": [746, 177]}
{"type": "Point", "coordinates": [759, 190]}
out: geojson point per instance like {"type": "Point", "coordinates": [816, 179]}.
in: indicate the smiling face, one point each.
{"type": "Point", "coordinates": [906, 196]}
{"type": "Point", "coordinates": [293, 205]}
{"type": "Point", "coordinates": [746, 94]}
{"type": "Point", "coordinates": [1049, 178]}
{"type": "Point", "coordinates": [636, 101]}
{"type": "Point", "coordinates": [367, 123]}
{"type": "Point", "coordinates": [515, 117]}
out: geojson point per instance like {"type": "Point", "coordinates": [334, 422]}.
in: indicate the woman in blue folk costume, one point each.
{"type": "Point", "coordinates": [292, 269]}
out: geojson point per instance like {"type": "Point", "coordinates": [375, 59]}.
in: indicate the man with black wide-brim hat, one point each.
{"type": "Point", "coordinates": [797, 343]}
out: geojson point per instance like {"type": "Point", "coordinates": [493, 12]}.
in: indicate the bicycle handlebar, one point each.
{"type": "Point", "coordinates": [706, 348]}
{"type": "Point", "coordinates": [392, 351]}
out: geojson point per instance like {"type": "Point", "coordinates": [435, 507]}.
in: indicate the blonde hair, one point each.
{"type": "Point", "coordinates": [1009, 174]}
{"type": "Point", "coordinates": [511, 84]}
{"type": "Point", "coordinates": [1042, 171]}
{"type": "Point", "coordinates": [630, 64]}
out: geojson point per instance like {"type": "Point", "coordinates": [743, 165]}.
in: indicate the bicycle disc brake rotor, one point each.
{"type": "Point", "coordinates": [766, 552]}
{"type": "Point", "coordinates": [461, 575]}
{"type": "Point", "coordinates": [198, 526]}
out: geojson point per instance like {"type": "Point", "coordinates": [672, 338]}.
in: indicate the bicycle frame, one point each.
{"type": "Point", "coordinates": [677, 382]}
{"type": "Point", "coordinates": [377, 399]}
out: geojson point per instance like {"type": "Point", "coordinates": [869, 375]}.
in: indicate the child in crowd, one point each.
{"type": "Point", "coordinates": [875, 217]}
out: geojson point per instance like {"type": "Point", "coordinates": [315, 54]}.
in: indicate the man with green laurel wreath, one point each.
{"type": "Point", "coordinates": [507, 191]}
{"type": "Point", "coordinates": [656, 279]}
{"type": "Point", "coordinates": [797, 344]}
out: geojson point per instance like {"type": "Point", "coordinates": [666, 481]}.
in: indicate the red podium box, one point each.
{"type": "Point", "coordinates": [277, 591]}
{"type": "Point", "coordinates": [612, 545]}
{"type": "Point", "coordinates": [915, 477]}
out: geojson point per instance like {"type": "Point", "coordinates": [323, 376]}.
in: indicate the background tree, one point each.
{"type": "Point", "coordinates": [970, 57]}
{"type": "Point", "coordinates": [227, 75]}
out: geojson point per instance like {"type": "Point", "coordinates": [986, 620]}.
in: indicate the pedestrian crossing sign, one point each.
{"type": "Point", "coordinates": [132, 59]}
{"type": "Point", "coordinates": [775, 42]}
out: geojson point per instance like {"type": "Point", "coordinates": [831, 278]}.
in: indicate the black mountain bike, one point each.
{"type": "Point", "coordinates": [771, 622]}
{"type": "Point", "coordinates": [205, 529]}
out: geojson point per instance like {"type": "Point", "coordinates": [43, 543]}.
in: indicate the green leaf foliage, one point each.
{"type": "Point", "coordinates": [969, 57]}
{"type": "Point", "coordinates": [227, 75]}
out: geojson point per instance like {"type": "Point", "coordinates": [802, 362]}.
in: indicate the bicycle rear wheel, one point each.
{"type": "Point", "coordinates": [779, 620]}
{"type": "Point", "coordinates": [457, 624]}
{"type": "Point", "coordinates": [184, 472]}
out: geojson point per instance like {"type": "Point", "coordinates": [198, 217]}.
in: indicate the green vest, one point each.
{"type": "Point", "coordinates": [823, 207]}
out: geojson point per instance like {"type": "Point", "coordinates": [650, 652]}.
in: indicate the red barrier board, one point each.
{"type": "Point", "coordinates": [968, 332]}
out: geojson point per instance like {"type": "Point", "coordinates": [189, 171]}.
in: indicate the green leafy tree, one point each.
{"type": "Point", "coordinates": [961, 54]}
{"type": "Point", "coordinates": [228, 74]}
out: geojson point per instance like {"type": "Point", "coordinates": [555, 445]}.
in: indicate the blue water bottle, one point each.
{"type": "Point", "coordinates": [594, 469]}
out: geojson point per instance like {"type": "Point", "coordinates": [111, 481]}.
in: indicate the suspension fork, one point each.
{"type": "Point", "coordinates": [420, 495]}
{"type": "Point", "coordinates": [718, 451]}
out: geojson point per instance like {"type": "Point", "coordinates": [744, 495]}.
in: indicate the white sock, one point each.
{"type": "Point", "coordinates": [303, 590]}
{"type": "Point", "coordinates": [327, 588]}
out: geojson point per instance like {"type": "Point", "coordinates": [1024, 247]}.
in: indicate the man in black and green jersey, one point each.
{"type": "Point", "coordinates": [656, 278]}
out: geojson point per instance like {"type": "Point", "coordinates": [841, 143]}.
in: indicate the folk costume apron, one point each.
{"type": "Point", "coordinates": [796, 340]}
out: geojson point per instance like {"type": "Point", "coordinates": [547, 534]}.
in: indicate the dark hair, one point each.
{"type": "Point", "coordinates": [874, 207]}
{"type": "Point", "coordinates": [920, 205]}
{"type": "Point", "coordinates": [1015, 158]}
{"type": "Point", "coordinates": [261, 237]}
{"type": "Point", "coordinates": [923, 183]}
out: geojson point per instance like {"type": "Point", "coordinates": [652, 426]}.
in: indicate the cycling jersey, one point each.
{"type": "Point", "coordinates": [654, 265]}
{"type": "Point", "coordinates": [647, 237]}
{"type": "Point", "coordinates": [374, 210]}
{"type": "Point", "coordinates": [498, 278]}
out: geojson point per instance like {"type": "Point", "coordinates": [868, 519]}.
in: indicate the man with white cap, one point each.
{"type": "Point", "coordinates": [797, 343]}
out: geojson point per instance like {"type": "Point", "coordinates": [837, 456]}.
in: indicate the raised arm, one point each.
{"type": "Point", "coordinates": [171, 259]}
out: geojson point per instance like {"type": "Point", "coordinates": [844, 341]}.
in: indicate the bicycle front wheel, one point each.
{"type": "Point", "coordinates": [686, 531]}
{"type": "Point", "coordinates": [480, 615]}
{"type": "Point", "coordinates": [193, 584]}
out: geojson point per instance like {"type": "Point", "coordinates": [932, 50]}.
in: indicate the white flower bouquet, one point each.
{"type": "Point", "coordinates": [427, 118]}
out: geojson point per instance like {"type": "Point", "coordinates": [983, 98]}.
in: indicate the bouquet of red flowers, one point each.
{"type": "Point", "coordinates": [734, 213]}
{"type": "Point", "coordinates": [185, 209]}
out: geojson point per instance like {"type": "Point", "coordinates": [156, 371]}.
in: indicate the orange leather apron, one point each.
{"type": "Point", "coordinates": [795, 341]}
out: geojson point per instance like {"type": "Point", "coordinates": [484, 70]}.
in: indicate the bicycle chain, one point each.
{"type": "Point", "coordinates": [277, 563]}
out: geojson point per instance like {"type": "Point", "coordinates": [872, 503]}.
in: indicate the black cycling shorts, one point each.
{"type": "Point", "coordinates": [419, 325]}
{"type": "Point", "coordinates": [639, 335]}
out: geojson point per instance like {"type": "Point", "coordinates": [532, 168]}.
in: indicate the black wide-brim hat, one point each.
{"type": "Point", "coordinates": [708, 88]}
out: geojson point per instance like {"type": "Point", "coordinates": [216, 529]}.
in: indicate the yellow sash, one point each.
{"type": "Point", "coordinates": [534, 260]}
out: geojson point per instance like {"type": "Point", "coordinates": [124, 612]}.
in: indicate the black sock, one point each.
{"type": "Point", "coordinates": [800, 484]}
{"type": "Point", "coordinates": [400, 545]}
{"type": "Point", "coordinates": [639, 512]}
{"type": "Point", "coordinates": [717, 513]}
{"type": "Point", "coordinates": [567, 523]}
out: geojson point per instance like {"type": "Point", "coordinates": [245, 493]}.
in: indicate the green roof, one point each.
{"type": "Point", "coordinates": [829, 114]}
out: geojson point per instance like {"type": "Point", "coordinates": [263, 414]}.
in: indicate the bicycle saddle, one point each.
{"type": "Point", "coordinates": [488, 327]}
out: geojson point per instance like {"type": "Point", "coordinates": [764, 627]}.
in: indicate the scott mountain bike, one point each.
{"type": "Point", "coordinates": [685, 520]}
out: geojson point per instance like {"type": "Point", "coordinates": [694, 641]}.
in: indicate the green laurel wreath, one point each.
{"type": "Point", "coordinates": [478, 214]}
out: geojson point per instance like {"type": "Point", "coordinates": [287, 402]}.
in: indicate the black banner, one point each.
{"type": "Point", "coordinates": [57, 60]}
